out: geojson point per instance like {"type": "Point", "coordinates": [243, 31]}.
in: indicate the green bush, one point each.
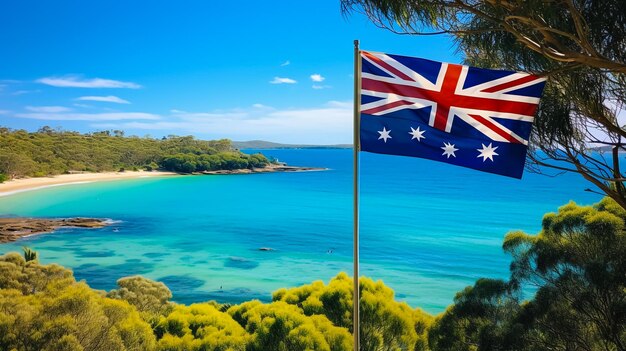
{"type": "Point", "coordinates": [575, 265]}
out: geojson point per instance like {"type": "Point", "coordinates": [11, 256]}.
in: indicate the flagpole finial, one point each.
{"type": "Point", "coordinates": [356, 43]}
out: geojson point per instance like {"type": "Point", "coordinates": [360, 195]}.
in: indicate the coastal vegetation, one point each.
{"type": "Point", "coordinates": [578, 45]}
{"type": "Point", "coordinates": [574, 268]}
{"type": "Point", "coordinates": [49, 152]}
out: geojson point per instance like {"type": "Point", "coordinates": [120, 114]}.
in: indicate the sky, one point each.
{"type": "Point", "coordinates": [278, 70]}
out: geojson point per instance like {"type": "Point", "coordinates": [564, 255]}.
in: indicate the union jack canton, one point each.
{"type": "Point", "coordinates": [466, 116]}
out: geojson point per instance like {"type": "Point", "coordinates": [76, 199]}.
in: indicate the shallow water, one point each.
{"type": "Point", "coordinates": [427, 229]}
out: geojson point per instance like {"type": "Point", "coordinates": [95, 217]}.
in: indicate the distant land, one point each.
{"type": "Point", "coordinates": [262, 144]}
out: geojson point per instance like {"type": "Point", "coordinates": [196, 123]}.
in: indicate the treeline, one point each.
{"type": "Point", "coordinates": [575, 264]}
{"type": "Point", "coordinates": [49, 152]}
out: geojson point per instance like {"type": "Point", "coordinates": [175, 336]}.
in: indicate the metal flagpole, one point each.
{"type": "Point", "coordinates": [356, 320]}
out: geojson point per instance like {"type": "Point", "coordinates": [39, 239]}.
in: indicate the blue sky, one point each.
{"type": "Point", "coordinates": [275, 70]}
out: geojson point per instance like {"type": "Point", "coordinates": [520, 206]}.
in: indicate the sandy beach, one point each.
{"type": "Point", "coordinates": [26, 184]}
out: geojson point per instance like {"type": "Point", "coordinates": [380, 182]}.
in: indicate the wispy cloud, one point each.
{"type": "Point", "coordinates": [4, 112]}
{"type": "Point", "coordinates": [280, 80]}
{"type": "Point", "coordinates": [262, 107]}
{"type": "Point", "coordinates": [48, 109]}
{"type": "Point", "coordinates": [110, 98]}
{"type": "Point", "coordinates": [83, 105]}
{"type": "Point", "coordinates": [286, 63]}
{"type": "Point", "coordinates": [22, 92]}
{"type": "Point", "coordinates": [94, 117]}
{"type": "Point", "coordinates": [319, 87]}
{"type": "Point", "coordinates": [78, 82]}
{"type": "Point", "coordinates": [327, 124]}
{"type": "Point", "coordinates": [317, 77]}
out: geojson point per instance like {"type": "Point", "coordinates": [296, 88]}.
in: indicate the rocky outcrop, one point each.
{"type": "Point", "coordinates": [12, 229]}
{"type": "Point", "coordinates": [268, 169]}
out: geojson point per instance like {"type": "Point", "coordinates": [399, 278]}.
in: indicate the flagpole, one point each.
{"type": "Point", "coordinates": [356, 320]}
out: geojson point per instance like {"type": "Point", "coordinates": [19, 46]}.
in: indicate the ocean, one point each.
{"type": "Point", "coordinates": [427, 229]}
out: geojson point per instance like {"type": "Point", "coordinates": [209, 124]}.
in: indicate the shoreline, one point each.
{"type": "Point", "coordinates": [16, 186]}
{"type": "Point", "coordinates": [268, 169]}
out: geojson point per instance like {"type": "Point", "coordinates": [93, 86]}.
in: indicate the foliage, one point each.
{"type": "Point", "coordinates": [575, 267]}
{"type": "Point", "coordinates": [44, 308]}
{"type": "Point", "coordinates": [385, 323]}
{"type": "Point", "coordinates": [3, 178]}
{"type": "Point", "coordinates": [200, 327]}
{"type": "Point", "coordinates": [149, 297]}
{"type": "Point", "coordinates": [188, 163]}
{"type": "Point", "coordinates": [576, 264]}
{"type": "Point", "coordinates": [578, 44]}
{"type": "Point", "coordinates": [479, 319]}
{"type": "Point", "coordinates": [284, 327]}
{"type": "Point", "coordinates": [29, 254]}
{"type": "Point", "coordinates": [49, 152]}
{"type": "Point", "coordinates": [577, 260]}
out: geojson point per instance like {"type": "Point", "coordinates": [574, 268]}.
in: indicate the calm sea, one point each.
{"type": "Point", "coordinates": [427, 229]}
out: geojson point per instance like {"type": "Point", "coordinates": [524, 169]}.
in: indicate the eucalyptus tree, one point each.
{"type": "Point", "coordinates": [580, 45]}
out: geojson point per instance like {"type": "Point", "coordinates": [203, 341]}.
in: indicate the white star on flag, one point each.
{"type": "Point", "coordinates": [448, 150]}
{"type": "Point", "coordinates": [384, 134]}
{"type": "Point", "coordinates": [417, 133]}
{"type": "Point", "coordinates": [487, 152]}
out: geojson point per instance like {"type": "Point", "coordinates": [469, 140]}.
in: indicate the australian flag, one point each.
{"type": "Point", "coordinates": [466, 116]}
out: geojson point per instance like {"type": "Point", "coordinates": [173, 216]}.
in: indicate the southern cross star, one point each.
{"type": "Point", "coordinates": [417, 134]}
{"type": "Point", "coordinates": [384, 134]}
{"type": "Point", "coordinates": [448, 150]}
{"type": "Point", "coordinates": [487, 152]}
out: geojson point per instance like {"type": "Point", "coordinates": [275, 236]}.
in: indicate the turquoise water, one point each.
{"type": "Point", "coordinates": [427, 229]}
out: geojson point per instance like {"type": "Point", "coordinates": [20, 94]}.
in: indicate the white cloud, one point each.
{"type": "Point", "coordinates": [110, 98]}
{"type": "Point", "coordinates": [22, 92]}
{"type": "Point", "coordinates": [113, 116]}
{"type": "Point", "coordinates": [83, 105]}
{"type": "Point", "coordinates": [286, 63]}
{"type": "Point", "coordinates": [327, 124]}
{"type": "Point", "coordinates": [177, 111]}
{"type": "Point", "coordinates": [262, 107]}
{"type": "Point", "coordinates": [4, 112]}
{"type": "Point", "coordinates": [317, 77]}
{"type": "Point", "coordinates": [319, 87]}
{"type": "Point", "coordinates": [340, 104]}
{"type": "Point", "coordinates": [48, 109]}
{"type": "Point", "coordinates": [78, 82]}
{"type": "Point", "coordinates": [280, 80]}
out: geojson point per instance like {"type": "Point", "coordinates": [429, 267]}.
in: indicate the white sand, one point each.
{"type": "Point", "coordinates": [27, 184]}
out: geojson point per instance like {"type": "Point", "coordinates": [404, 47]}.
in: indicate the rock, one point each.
{"type": "Point", "coordinates": [11, 229]}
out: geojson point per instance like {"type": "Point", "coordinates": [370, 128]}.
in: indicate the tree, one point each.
{"type": "Point", "coordinates": [578, 44]}
{"type": "Point", "coordinates": [42, 307]}
{"type": "Point", "coordinates": [149, 297]}
{"type": "Point", "coordinates": [49, 151]}
{"type": "Point", "coordinates": [29, 255]}
{"type": "Point", "coordinates": [577, 261]}
{"type": "Point", "coordinates": [479, 319]}
{"type": "Point", "coordinates": [282, 326]}
{"type": "Point", "coordinates": [385, 323]}
{"type": "Point", "coordinates": [200, 327]}
{"type": "Point", "coordinates": [576, 268]}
